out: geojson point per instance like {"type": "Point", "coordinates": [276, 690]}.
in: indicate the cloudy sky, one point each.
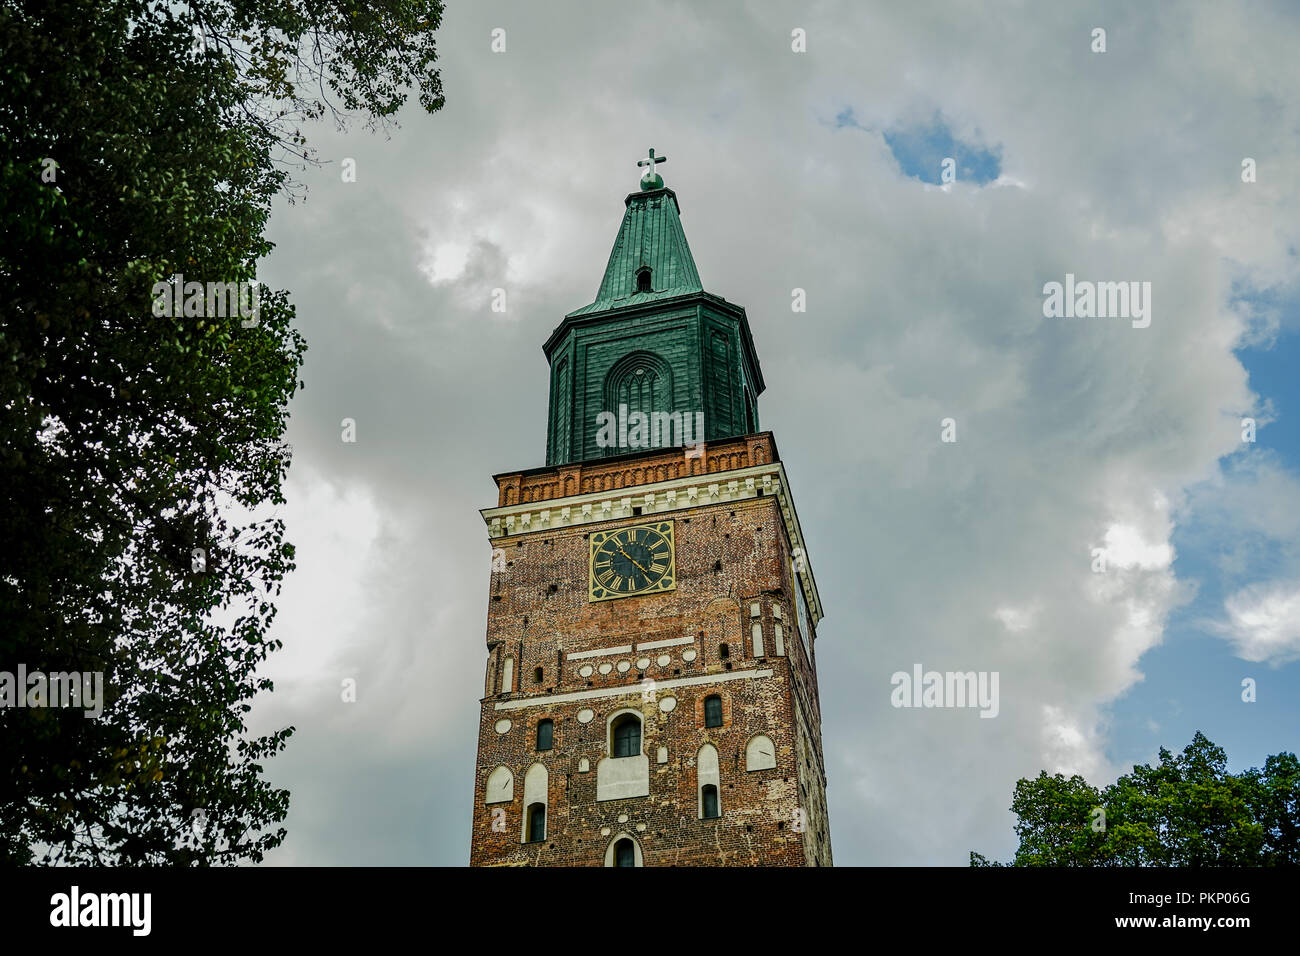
{"type": "Point", "coordinates": [822, 171]}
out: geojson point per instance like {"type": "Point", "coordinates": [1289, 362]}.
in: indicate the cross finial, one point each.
{"type": "Point", "coordinates": [651, 179]}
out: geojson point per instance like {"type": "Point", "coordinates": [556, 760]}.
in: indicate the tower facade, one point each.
{"type": "Point", "coordinates": [650, 696]}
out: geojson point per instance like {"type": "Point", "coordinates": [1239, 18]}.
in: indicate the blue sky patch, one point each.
{"type": "Point", "coordinates": [921, 150]}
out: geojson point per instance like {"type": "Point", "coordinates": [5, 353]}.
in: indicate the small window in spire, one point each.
{"type": "Point", "coordinates": [643, 279]}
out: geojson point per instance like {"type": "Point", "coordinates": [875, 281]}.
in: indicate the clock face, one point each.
{"type": "Point", "coordinates": [630, 561]}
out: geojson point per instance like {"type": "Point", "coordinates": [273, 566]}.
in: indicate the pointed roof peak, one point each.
{"type": "Point", "coordinates": [651, 259]}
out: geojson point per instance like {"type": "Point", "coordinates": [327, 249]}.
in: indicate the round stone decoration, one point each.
{"type": "Point", "coordinates": [622, 818]}
{"type": "Point", "coordinates": [688, 655]}
{"type": "Point", "coordinates": [585, 715]}
{"type": "Point", "coordinates": [585, 670]}
{"type": "Point", "coordinates": [624, 667]}
{"type": "Point", "coordinates": [604, 831]}
{"type": "Point", "coordinates": [664, 660]}
{"type": "Point", "coordinates": [667, 704]}
{"type": "Point", "coordinates": [503, 725]}
{"type": "Point", "coordinates": [643, 663]}
{"type": "Point", "coordinates": [605, 668]}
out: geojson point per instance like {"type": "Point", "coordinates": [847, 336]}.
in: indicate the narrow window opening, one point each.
{"type": "Point", "coordinates": [713, 711]}
{"type": "Point", "coordinates": [537, 823]}
{"type": "Point", "coordinates": [627, 736]}
{"type": "Point", "coordinates": [624, 853]}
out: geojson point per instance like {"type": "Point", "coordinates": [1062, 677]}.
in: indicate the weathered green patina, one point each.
{"type": "Point", "coordinates": [652, 341]}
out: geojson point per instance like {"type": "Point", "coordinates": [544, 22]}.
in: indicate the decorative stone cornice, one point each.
{"type": "Point", "coordinates": [657, 498]}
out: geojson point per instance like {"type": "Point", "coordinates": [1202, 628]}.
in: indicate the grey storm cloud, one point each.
{"type": "Point", "coordinates": [924, 302]}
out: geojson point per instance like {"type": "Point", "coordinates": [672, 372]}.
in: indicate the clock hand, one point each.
{"type": "Point", "coordinates": [632, 559]}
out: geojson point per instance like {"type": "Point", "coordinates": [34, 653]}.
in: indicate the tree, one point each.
{"type": "Point", "coordinates": [140, 447]}
{"type": "Point", "coordinates": [1185, 811]}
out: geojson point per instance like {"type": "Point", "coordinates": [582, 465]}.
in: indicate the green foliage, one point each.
{"type": "Point", "coordinates": [128, 440]}
{"type": "Point", "coordinates": [1185, 811]}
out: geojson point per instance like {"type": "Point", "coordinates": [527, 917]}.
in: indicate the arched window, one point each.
{"type": "Point", "coordinates": [626, 734]}
{"type": "Point", "coordinates": [500, 786]}
{"type": "Point", "coordinates": [644, 383]}
{"type": "Point", "coordinates": [537, 676]}
{"type": "Point", "coordinates": [709, 798]}
{"type": "Point", "coordinates": [623, 850]}
{"type": "Point", "coordinates": [724, 651]}
{"type": "Point", "coordinates": [643, 279]}
{"type": "Point", "coordinates": [713, 711]}
{"type": "Point", "coordinates": [536, 822]}
{"type": "Point", "coordinates": [563, 400]}
{"type": "Point", "coordinates": [624, 853]}
{"type": "Point", "coordinates": [707, 779]}
{"type": "Point", "coordinates": [545, 734]}
{"type": "Point", "coordinates": [536, 785]}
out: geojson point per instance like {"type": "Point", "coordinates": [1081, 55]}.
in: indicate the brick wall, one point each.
{"type": "Point", "coordinates": [728, 555]}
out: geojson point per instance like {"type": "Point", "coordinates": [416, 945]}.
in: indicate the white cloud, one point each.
{"type": "Point", "coordinates": [1263, 622]}
{"type": "Point", "coordinates": [1068, 748]}
{"type": "Point", "coordinates": [1127, 548]}
{"type": "Point", "coordinates": [923, 304]}
{"type": "Point", "coordinates": [1016, 619]}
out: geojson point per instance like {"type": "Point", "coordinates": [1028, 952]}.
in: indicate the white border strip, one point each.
{"type": "Point", "coordinates": [602, 652]}
{"type": "Point", "coordinates": [628, 690]}
{"type": "Point", "coordinates": [666, 642]}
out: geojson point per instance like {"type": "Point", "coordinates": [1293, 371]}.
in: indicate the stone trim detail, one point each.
{"type": "Point", "coordinates": [606, 692]}
{"type": "Point", "coordinates": [666, 642]}
{"type": "Point", "coordinates": [599, 652]}
{"type": "Point", "coordinates": [661, 497]}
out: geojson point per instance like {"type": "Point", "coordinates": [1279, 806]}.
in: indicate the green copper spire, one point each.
{"type": "Point", "coordinates": [654, 342]}
{"type": "Point", "coordinates": [650, 259]}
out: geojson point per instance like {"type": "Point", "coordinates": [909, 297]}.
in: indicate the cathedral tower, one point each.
{"type": "Point", "coordinates": [651, 688]}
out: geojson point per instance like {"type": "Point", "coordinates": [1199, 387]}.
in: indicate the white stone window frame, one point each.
{"type": "Point", "coordinates": [609, 732]}
{"type": "Point", "coordinates": [537, 782]}
{"type": "Point", "coordinates": [613, 842]}
{"type": "Point", "coordinates": [705, 776]}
